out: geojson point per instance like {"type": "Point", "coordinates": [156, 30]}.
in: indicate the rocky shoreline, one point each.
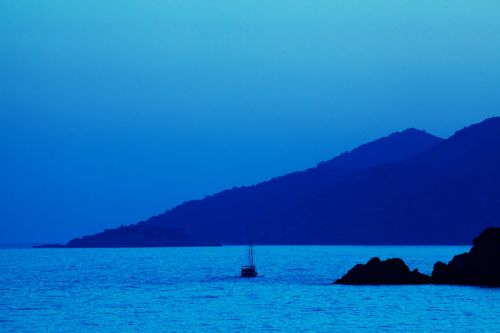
{"type": "Point", "coordinates": [480, 267]}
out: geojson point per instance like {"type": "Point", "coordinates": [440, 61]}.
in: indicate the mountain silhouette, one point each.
{"type": "Point", "coordinates": [407, 188]}
{"type": "Point", "coordinates": [447, 194]}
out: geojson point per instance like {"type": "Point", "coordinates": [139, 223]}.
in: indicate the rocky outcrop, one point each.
{"type": "Point", "coordinates": [390, 271]}
{"type": "Point", "coordinates": [480, 266]}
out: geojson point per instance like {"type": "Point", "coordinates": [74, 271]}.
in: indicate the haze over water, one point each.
{"type": "Point", "coordinates": [180, 289]}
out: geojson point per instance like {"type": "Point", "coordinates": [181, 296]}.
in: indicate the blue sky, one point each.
{"type": "Point", "coordinates": [112, 111]}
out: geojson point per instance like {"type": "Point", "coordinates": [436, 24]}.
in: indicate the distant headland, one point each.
{"type": "Point", "coordinates": [407, 188]}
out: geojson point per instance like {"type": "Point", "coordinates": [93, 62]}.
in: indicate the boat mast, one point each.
{"type": "Point", "coordinates": [250, 253]}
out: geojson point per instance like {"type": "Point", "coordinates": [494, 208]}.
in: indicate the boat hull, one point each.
{"type": "Point", "coordinates": [248, 271]}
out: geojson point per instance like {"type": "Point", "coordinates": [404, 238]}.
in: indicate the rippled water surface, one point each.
{"type": "Point", "coordinates": [198, 289]}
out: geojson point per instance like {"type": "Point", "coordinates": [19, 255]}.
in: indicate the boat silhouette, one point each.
{"type": "Point", "coordinates": [249, 270]}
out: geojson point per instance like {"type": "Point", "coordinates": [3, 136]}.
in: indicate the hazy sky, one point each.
{"type": "Point", "coordinates": [112, 111]}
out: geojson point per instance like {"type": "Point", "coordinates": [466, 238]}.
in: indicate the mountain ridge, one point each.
{"type": "Point", "coordinates": [347, 200]}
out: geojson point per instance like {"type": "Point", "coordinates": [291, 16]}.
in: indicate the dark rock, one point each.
{"type": "Point", "coordinates": [480, 266]}
{"type": "Point", "coordinates": [390, 271]}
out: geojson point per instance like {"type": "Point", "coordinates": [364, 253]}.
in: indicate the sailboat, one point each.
{"type": "Point", "coordinates": [249, 270]}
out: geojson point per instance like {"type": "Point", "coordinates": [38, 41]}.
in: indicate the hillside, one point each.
{"type": "Point", "coordinates": [407, 188]}
{"type": "Point", "coordinates": [234, 215]}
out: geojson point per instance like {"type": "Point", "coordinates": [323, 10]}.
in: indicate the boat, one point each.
{"type": "Point", "coordinates": [249, 270]}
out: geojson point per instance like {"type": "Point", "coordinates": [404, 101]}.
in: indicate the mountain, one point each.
{"type": "Point", "coordinates": [407, 188]}
{"type": "Point", "coordinates": [229, 216]}
{"type": "Point", "coordinates": [447, 194]}
{"type": "Point", "coordinates": [396, 147]}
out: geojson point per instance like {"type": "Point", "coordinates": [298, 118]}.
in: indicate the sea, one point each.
{"type": "Point", "coordinates": [198, 289]}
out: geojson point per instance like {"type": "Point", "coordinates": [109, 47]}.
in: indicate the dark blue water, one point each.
{"type": "Point", "coordinates": [198, 289]}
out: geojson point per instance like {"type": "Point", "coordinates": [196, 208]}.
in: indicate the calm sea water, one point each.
{"type": "Point", "coordinates": [198, 289]}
